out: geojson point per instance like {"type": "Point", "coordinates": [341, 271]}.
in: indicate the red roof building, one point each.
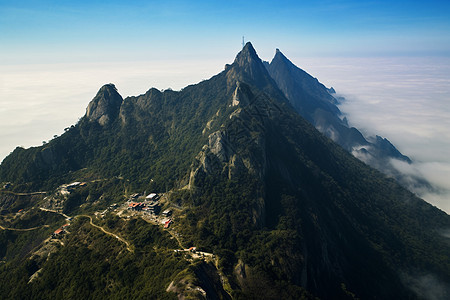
{"type": "Point", "coordinates": [167, 223]}
{"type": "Point", "coordinates": [58, 231]}
{"type": "Point", "coordinates": [136, 205]}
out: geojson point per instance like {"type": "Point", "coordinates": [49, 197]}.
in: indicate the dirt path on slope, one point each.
{"type": "Point", "coordinates": [94, 225]}
{"type": "Point", "coordinates": [23, 229]}
{"type": "Point", "coordinates": [54, 211]}
{"type": "Point", "coordinates": [107, 232]}
{"type": "Point", "coordinates": [24, 194]}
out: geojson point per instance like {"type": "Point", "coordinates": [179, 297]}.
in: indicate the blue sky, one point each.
{"type": "Point", "coordinates": [68, 31]}
{"type": "Point", "coordinates": [391, 59]}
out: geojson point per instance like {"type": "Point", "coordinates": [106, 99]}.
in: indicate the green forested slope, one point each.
{"type": "Point", "coordinates": [288, 213]}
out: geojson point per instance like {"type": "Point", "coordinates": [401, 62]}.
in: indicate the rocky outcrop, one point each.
{"type": "Point", "coordinates": [217, 158]}
{"type": "Point", "coordinates": [200, 281]}
{"type": "Point", "coordinates": [105, 106]}
{"type": "Point", "coordinates": [249, 69]}
{"type": "Point", "coordinates": [240, 95]}
{"type": "Point", "coordinates": [236, 147]}
{"type": "Point", "coordinates": [239, 149]}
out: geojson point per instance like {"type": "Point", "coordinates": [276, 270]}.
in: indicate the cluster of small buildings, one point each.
{"type": "Point", "coordinates": [150, 205]}
{"type": "Point", "coordinates": [191, 249]}
{"type": "Point", "coordinates": [147, 208]}
{"type": "Point", "coordinates": [167, 222]}
{"type": "Point", "coordinates": [149, 197]}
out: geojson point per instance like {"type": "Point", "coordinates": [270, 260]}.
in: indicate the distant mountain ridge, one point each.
{"type": "Point", "coordinates": [319, 105]}
{"type": "Point", "coordinates": [286, 212]}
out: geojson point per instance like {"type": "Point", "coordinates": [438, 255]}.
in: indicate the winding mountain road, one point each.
{"type": "Point", "coordinates": [23, 229]}
{"type": "Point", "coordinates": [94, 225]}
{"type": "Point", "coordinates": [107, 232]}
{"type": "Point", "coordinates": [24, 194]}
{"type": "Point", "coordinates": [55, 211]}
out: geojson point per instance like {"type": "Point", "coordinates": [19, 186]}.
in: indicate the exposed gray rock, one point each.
{"type": "Point", "coordinates": [239, 96]}
{"type": "Point", "coordinates": [207, 284]}
{"type": "Point", "coordinates": [218, 145]}
{"type": "Point", "coordinates": [105, 106]}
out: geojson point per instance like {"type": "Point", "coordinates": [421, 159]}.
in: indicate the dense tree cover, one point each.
{"type": "Point", "coordinates": [151, 144]}
{"type": "Point", "coordinates": [283, 208]}
{"type": "Point", "coordinates": [93, 265]}
{"type": "Point", "coordinates": [95, 196]}
{"type": "Point", "coordinates": [11, 202]}
{"type": "Point", "coordinates": [16, 245]}
{"type": "Point", "coordinates": [362, 228]}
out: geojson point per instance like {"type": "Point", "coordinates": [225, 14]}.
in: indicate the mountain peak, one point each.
{"type": "Point", "coordinates": [247, 55]}
{"type": "Point", "coordinates": [249, 48]}
{"type": "Point", "coordinates": [279, 56]}
{"type": "Point", "coordinates": [248, 68]}
{"type": "Point", "coordinates": [105, 106]}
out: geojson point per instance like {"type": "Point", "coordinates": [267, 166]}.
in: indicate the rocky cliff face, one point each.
{"type": "Point", "coordinates": [105, 106]}
{"type": "Point", "coordinates": [259, 139]}
{"type": "Point", "coordinates": [207, 284]}
{"type": "Point", "coordinates": [240, 95]}
{"type": "Point", "coordinates": [238, 149]}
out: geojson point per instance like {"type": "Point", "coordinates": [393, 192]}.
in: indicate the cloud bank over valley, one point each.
{"type": "Point", "coordinates": [404, 99]}
{"type": "Point", "coordinates": [38, 101]}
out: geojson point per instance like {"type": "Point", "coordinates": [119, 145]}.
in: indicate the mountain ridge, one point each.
{"type": "Point", "coordinates": [316, 103]}
{"type": "Point", "coordinates": [287, 212]}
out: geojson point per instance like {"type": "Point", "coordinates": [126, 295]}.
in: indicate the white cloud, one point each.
{"type": "Point", "coordinates": [434, 172]}
{"type": "Point", "coordinates": [39, 101]}
{"type": "Point", "coordinates": [427, 286]}
{"type": "Point", "coordinates": [406, 100]}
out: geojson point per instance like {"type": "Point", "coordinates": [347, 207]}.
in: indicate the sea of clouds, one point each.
{"type": "Point", "coordinates": [404, 99]}
{"type": "Point", "coordinates": [37, 101]}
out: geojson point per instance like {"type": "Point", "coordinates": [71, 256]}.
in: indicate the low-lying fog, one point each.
{"type": "Point", "coordinates": [405, 99]}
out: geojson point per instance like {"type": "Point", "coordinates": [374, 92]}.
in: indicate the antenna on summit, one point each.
{"type": "Point", "coordinates": [243, 43]}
